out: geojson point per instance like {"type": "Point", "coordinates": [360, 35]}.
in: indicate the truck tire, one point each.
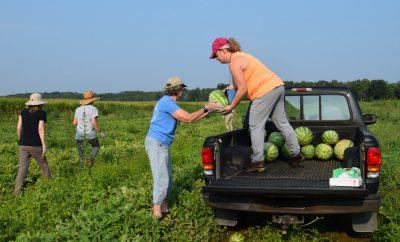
{"type": "Point", "coordinates": [365, 222]}
{"type": "Point", "coordinates": [226, 217]}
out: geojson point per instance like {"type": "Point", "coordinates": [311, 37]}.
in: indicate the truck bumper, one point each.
{"type": "Point", "coordinates": [294, 205]}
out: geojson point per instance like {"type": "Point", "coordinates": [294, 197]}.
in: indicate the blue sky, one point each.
{"type": "Point", "coordinates": [112, 46]}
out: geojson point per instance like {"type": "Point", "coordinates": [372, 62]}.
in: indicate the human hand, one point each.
{"type": "Point", "coordinates": [102, 134]}
{"type": "Point", "coordinates": [214, 107]}
{"type": "Point", "coordinates": [44, 150]}
{"type": "Point", "coordinates": [227, 110]}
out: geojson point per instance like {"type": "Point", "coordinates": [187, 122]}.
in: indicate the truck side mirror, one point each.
{"type": "Point", "coordinates": [369, 119]}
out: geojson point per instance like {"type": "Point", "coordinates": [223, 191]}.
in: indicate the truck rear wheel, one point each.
{"type": "Point", "coordinates": [365, 222]}
{"type": "Point", "coordinates": [226, 217]}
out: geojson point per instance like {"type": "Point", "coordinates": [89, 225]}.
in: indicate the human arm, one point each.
{"type": "Point", "coordinates": [41, 129]}
{"type": "Point", "coordinates": [236, 68]}
{"type": "Point", "coordinates": [19, 127]}
{"type": "Point", "coordinates": [96, 126]}
{"type": "Point", "coordinates": [230, 86]}
{"type": "Point", "coordinates": [183, 116]}
{"type": "Point", "coordinates": [75, 121]}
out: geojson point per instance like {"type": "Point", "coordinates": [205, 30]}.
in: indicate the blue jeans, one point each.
{"type": "Point", "coordinates": [161, 168]}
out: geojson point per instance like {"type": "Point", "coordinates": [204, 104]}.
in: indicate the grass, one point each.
{"type": "Point", "coordinates": [112, 200]}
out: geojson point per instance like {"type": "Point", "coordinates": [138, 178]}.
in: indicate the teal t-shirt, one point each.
{"type": "Point", "coordinates": [163, 124]}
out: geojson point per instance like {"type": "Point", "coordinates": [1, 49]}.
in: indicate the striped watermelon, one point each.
{"type": "Point", "coordinates": [304, 135]}
{"type": "Point", "coordinates": [330, 137]}
{"type": "Point", "coordinates": [218, 96]}
{"type": "Point", "coordinates": [308, 151]}
{"type": "Point", "coordinates": [285, 151]}
{"type": "Point", "coordinates": [341, 146]}
{"type": "Point", "coordinates": [277, 139]}
{"type": "Point", "coordinates": [271, 152]}
{"type": "Point", "coordinates": [323, 152]}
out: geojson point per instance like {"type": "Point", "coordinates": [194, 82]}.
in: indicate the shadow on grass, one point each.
{"type": "Point", "coordinates": [336, 227]}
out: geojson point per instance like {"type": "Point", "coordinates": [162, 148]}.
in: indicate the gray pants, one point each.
{"type": "Point", "coordinates": [270, 105]}
{"type": "Point", "coordinates": [25, 155]}
{"type": "Point", "coordinates": [93, 153]}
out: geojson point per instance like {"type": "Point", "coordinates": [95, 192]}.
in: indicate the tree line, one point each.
{"type": "Point", "coordinates": [363, 89]}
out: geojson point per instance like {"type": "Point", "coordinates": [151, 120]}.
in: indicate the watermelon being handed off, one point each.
{"type": "Point", "coordinates": [323, 152]}
{"type": "Point", "coordinates": [285, 151]}
{"type": "Point", "coordinates": [304, 135]}
{"type": "Point", "coordinates": [271, 152]}
{"type": "Point", "coordinates": [308, 151]}
{"type": "Point", "coordinates": [330, 137]}
{"type": "Point", "coordinates": [277, 139]}
{"type": "Point", "coordinates": [341, 146]}
{"type": "Point", "coordinates": [218, 96]}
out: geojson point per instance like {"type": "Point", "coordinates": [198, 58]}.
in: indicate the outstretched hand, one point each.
{"type": "Point", "coordinates": [102, 134]}
{"type": "Point", "coordinates": [214, 107]}
{"type": "Point", "coordinates": [227, 110]}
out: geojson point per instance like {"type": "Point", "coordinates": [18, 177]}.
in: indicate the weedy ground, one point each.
{"type": "Point", "coordinates": [112, 200]}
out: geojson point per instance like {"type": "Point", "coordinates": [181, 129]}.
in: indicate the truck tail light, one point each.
{"type": "Point", "coordinates": [301, 89]}
{"type": "Point", "coordinates": [207, 160]}
{"type": "Point", "coordinates": [374, 161]}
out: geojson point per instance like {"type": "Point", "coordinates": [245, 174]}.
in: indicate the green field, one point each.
{"type": "Point", "coordinates": [112, 200]}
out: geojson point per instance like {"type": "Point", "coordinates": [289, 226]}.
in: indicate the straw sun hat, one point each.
{"type": "Point", "coordinates": [88, 97]}
{"type": "Point", "coordinates": [35, 99]}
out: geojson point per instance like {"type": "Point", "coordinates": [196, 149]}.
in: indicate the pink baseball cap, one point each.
{"type": "Point", "coordinates": [218, 43]}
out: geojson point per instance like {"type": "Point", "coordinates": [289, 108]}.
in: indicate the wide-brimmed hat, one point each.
{"type": "Point", "coordinates": [174, 81]}
{"type": "Point", "coordinates": [35, 99]}
{"type": "Point", "coordinates": [88, 97]}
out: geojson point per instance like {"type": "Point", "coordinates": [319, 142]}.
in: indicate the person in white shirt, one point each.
{"type": "Point", "coordinates": [87, 127]}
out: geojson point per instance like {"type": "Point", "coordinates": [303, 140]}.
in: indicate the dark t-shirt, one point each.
{"type": "Point", "coordinates": [30, 124]}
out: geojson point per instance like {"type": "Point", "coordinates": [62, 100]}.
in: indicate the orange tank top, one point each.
{"type": "Point", "coordinates": [259, 79]}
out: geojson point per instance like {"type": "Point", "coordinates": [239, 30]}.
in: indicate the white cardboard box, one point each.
{"type": "Point", "coordinates": [345, 182]}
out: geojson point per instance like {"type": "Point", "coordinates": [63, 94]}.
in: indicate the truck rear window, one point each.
{"type": "Point", "coordinates": [317, 107]}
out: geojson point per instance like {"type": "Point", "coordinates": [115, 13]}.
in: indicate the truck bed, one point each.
{"type": "Point", "coordinates": [279, 179]}
{"type": "Point", "coordinates": [308, 170]}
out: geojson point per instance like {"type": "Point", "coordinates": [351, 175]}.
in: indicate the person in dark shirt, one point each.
{"type": "Point", "coordinates": [31, 134]}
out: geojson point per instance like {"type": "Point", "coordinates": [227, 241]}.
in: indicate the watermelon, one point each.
{"type": "Point", "coordinates": [304, 135]}
{"type": "Point", "coordinates": [277, 139]}
{"type": "Point", "coordinates": [218, 96]}
{"type": "Point", "coordinates": [308, 151]}
{"type": "Point", "coordinates": [323, 152]}
{"type": "Point", "coordinates": [285, 151]}
{"type": "Point", "coordinates": [271, 152]}
{"type": "Point", "coordinates": [237, 237]}
{"type": "Point", "coordinates": [341, 146]}
{"type": "Point", "coordinates": [330, 137]}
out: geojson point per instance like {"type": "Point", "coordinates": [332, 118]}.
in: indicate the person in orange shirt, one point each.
{"type": "Point", "coordinates": [266, 91]}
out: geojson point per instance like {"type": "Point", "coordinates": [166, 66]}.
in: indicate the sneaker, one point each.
{"type": "Point", "coordinates": [296, 160]}
{"type": "Point", "coordinates": [259, 166]}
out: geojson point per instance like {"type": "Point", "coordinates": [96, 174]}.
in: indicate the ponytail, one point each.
{"type": "Point", "coordinates": [34, 108]}
{"type": "Point", "coordinates": [234, 46]}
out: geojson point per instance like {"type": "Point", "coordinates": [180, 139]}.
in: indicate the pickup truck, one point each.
{"type": "Point", "coordinates": [289, 194]}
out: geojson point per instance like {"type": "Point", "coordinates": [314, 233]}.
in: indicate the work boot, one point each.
{"type": "Point", "coordinates": [258, 166]}
{"type": "Point", "coordinates": [296, 160]}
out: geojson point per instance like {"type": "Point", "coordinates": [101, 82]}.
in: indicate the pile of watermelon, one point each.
{"type": "Point", "coordinates": [330, 147]}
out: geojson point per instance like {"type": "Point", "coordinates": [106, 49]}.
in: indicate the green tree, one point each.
{"type": "Point", "coordinates": [377, 89]}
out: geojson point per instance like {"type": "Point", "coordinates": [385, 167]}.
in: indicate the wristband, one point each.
{"type": "Point", "coordinates": [205, 110]}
